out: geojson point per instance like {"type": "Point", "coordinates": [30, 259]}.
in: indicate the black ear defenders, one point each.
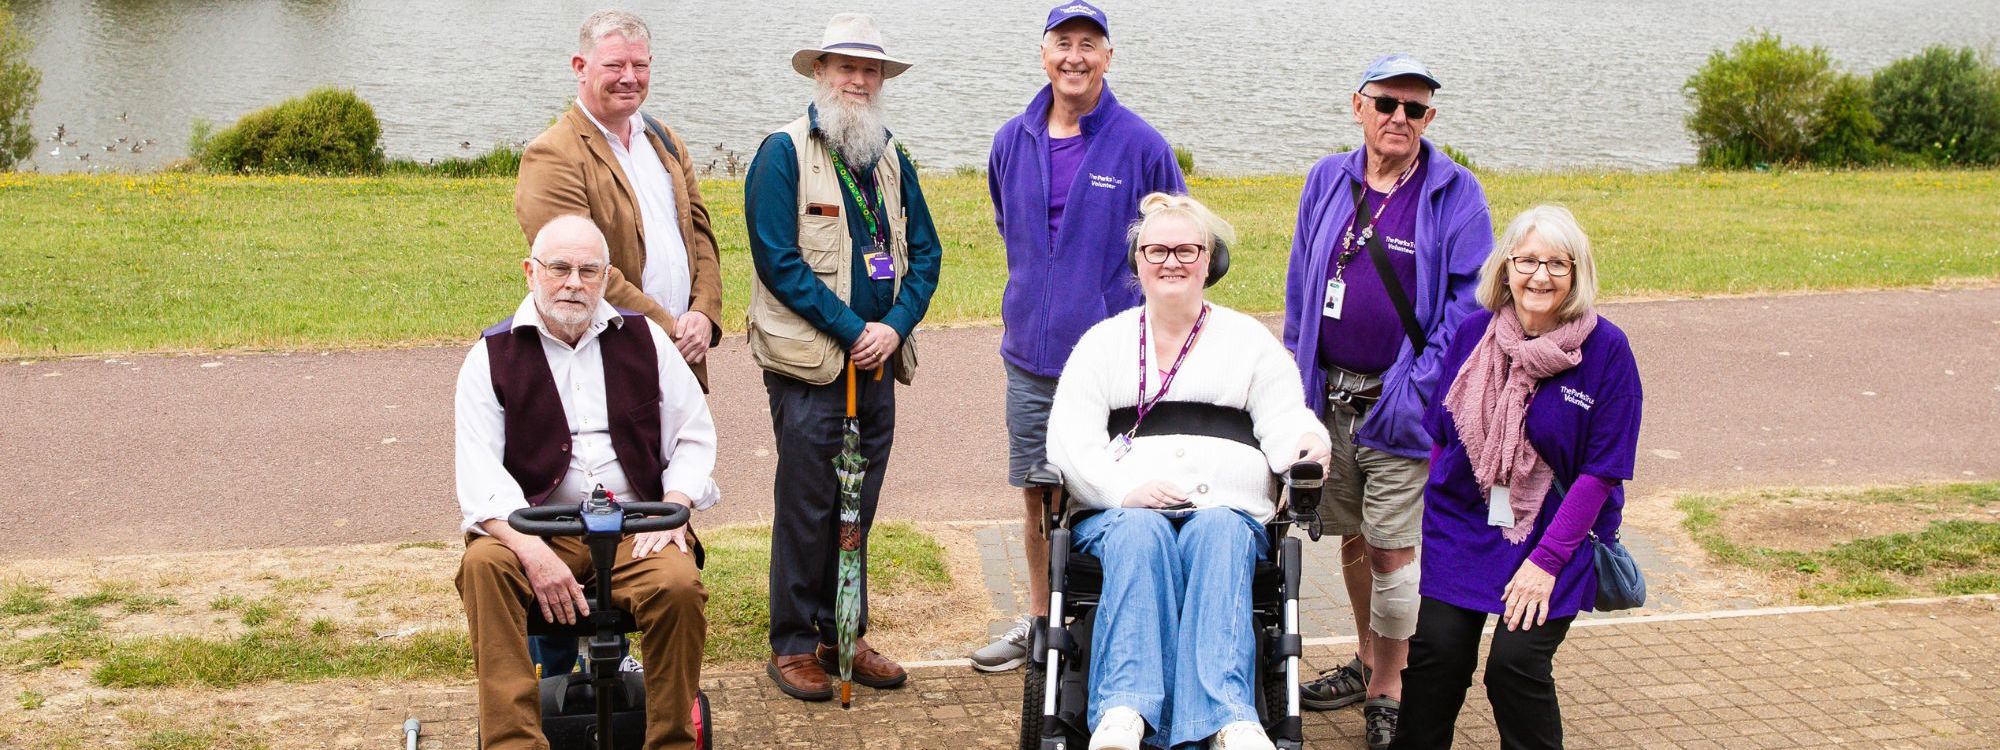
{"type": "Point", "coordinates": [1218, 259]}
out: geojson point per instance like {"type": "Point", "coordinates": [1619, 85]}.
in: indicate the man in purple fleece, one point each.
{"type": "Point", "coordinates": [1066, 177]}
{"type": "Point", "coordinates": [1388, 246]}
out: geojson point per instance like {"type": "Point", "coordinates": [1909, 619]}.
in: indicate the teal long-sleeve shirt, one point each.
{"type": "Point", "coordinates": [770, 207]}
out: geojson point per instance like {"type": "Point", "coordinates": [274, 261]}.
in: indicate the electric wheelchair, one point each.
{"type": "Point", "coordinates": [1054, 707]}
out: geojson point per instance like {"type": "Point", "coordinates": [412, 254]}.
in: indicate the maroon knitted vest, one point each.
{"type": "Point", "coordinates": [537, 429]}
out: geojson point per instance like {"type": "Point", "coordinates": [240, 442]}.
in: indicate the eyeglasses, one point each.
{"type": "Point", "coordinates": [1157, 254]}
{"type": "Point", "coordinates": [585, 273]}
{"type": "Point", "coordinates": [1387, 105]}
{"type": "Point", "coordinates": [1527, 266]}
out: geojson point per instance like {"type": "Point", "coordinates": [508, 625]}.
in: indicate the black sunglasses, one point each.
{"type": "Point", "coordinates": [1387, 105]}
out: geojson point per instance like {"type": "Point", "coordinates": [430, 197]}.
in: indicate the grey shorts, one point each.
{"type": "Point", "coordinates": [1378, 496]}
{"type": "Point", "coordinates": [1028, 399]}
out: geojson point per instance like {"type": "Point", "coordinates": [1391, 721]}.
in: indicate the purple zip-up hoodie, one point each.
{"type": "Point", "coordinates": [1454, 236]}
{"type": "Point", "coordinates": [1056, 293]}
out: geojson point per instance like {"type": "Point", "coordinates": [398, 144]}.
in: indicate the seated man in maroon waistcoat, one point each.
{"type": "Point", "coordinates": [568, 394]}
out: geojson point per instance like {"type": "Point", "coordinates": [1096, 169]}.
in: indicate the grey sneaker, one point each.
{"type": "Point", "coordinates": [1336, 688]}
{"type": "Point", "coordinates": [1010, 650]}
{"type": "Point", "coordinates": [1381, 715]}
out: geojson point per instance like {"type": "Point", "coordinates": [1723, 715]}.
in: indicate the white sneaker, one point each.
{"type": "Point", "coordinates": [630, 665]}
{"type": "Point", "coordinates": [1008, 651]}
{"type": "Point", "coordinates": [1241, 735]}
{"type": "Point", "coordinates": [1121, 729]}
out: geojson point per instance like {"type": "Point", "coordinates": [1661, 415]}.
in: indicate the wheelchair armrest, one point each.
{"type": "Point", "coordinates": [1049, 479]}
{"type": "Point", "coordinates": [1045, 475]}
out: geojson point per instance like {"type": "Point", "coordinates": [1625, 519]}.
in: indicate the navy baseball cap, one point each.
{"type": "Point", "coordinates": [1396, 66]}
{"type": "Point", "coordinates": [1077, 9]}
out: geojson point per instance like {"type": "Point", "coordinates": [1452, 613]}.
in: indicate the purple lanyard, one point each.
{"type": "Point", "coordinates": [1146, 405]}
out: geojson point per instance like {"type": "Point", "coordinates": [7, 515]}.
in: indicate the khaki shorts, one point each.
{"type": "Point", "coordinates": [1378, 496]}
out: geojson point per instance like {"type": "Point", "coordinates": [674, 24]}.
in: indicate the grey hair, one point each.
{"type": "Point", "coordinates": [1100, 35]}
{"type": "Point", "coordinates": [607, 22]}
{"type": "Point", "coordinates": [565, 222]}
{"type": "Point", "coordinates": [1556, 226]}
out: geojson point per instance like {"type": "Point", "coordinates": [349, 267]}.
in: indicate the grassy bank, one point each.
{"type": "Point", "coordinates": [92, 264]}
{"type": "Point", "coordinates": [1839, 546]}
{"type": "Point", "coordinates": [375, 619]}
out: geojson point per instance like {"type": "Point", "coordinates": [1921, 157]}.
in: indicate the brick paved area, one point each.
{"type": "Point", "coordinates": [1880, 676]}
{"type": "Point", "coordinates": [1323, 609]}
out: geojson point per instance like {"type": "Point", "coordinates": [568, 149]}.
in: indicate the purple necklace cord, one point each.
{"type": "Point", "coordinates": [1146, 405]}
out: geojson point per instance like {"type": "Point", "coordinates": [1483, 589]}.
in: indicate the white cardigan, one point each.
{"type": "Point", "coordinates": [1236, 363]}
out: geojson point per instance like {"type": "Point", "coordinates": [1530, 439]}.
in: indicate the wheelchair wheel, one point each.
{"type": "Point", "coordinates": [1035, 675]}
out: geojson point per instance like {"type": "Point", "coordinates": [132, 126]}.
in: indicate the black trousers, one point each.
{"type": "Point", "coordinates": [1519, 679]}
{"type": "Point", "coordinates": [805, 522]}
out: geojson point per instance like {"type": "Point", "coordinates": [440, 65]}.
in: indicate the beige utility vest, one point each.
{"type": "Point", "coordinates": [780, 340]}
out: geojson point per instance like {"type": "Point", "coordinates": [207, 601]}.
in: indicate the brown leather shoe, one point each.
{"type": "Point", "coordinates": [871, 668]}
{"type": "Point", "coordinates": [800, 676]}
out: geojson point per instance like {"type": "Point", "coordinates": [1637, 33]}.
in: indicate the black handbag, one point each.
{"type": "Point", "coordinates": [1620, 585]}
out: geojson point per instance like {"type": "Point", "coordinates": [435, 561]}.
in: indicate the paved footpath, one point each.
{"type": "Point", "coordinates": [279, 450]}
{"type": "Point", "coordinates": [1890, 676]}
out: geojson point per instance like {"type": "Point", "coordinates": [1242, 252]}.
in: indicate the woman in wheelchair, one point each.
{"type": "Point", "coordinates": [1168, 424]}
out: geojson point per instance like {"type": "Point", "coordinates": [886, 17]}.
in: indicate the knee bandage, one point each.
{"type": "Point", "coordinates": [1392, 607]}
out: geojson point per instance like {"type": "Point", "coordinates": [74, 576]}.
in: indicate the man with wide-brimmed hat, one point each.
{"type": "Point", "coordinates": [846, 259]}
{"type": "Point", "coordinates": [1066, 176]}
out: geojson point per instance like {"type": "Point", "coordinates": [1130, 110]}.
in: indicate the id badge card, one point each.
{"type": "Point", "coordinates": [880, 266]}
{"type": "Point", "coordinates": [1119, 446]}
{"type": "Point", "coordinates": [1499, 511]}
{"type": "Point", "coordinates": [1336, 298]}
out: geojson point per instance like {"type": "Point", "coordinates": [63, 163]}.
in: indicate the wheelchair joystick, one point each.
{"type": "Point", "coordinates": [1304, 479]}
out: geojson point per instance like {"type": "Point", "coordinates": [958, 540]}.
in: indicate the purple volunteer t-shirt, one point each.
{"type": "Point", "coordinates": [1369, 333]}
{"type": "Point", "coordinates": [1584, 420]}
{"type": "Point", "coordinates": [1065, 157]}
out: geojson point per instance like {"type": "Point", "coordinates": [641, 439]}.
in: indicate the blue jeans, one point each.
{"type": "Point", "coordinates": [1175, 610]}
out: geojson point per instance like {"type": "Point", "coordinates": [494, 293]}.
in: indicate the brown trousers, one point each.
{"type": "Point", "coordinates": [663, 592]}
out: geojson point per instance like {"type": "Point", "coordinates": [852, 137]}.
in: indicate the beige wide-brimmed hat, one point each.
{"type": "Point", "coordinates": [854, 35]}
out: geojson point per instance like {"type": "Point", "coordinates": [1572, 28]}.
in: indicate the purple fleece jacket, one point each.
{"type": "Point", "coordinates": [1454, 235]}
{"type": "Point", "coordinates": [1057, 291]}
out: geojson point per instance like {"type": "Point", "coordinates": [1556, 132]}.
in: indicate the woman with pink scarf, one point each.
{"type": "Point", "coordinates": [1531, 441]}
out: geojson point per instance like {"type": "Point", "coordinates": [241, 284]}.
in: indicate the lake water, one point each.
{"type": "Point", "coordinates": [1251, 87]}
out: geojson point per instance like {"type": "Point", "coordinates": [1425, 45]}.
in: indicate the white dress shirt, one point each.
{"type": "Point", "coordinates": [486, 491]}
{"type": "Point", "coordinates": [666, 277]}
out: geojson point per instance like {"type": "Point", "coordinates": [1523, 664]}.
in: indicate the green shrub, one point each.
{"type": "Point", "coordinates": [1766, 102]}
{"type": "Point", "coordinates": [327, 131]}
{"type": "Point", "coordinates": [20, 84]}
{"type": "Point", "coordinates": [1844, 129]}
{"type": "Point", "coordinates": [502, 161]}
{"type": "Point", "coordinates": [1941, 104]}
{"type": "Point", "coordinates": [1184, 156]}
{"type": "Point", "coordinates": [1463, 159]}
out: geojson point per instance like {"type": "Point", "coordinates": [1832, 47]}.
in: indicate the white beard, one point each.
{"type": "Point", "coordinates": [855, 131]}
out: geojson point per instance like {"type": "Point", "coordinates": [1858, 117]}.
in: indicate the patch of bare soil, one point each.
{"type": "Point", "coordinates": [365, 591]}
{"type": "Point", "coordinates": [1808, 524]}
{"type": "Point", "coordinates": [922, 626]}
{"type": "Point", "coordinates": [1691, 578]}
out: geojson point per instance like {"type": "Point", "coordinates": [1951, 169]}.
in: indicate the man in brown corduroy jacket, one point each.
{"type": "Point", "coordinates": [632, 176]}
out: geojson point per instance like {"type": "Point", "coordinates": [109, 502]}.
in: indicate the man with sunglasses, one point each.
{"type": "Point", "coordinates": [1387, 250]}
{"type": "Point", "coordinates": [1066, 177]}
{"type": "Point", "coordinates": [567, 395]}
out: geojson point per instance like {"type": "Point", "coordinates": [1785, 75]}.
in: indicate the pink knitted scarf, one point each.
{"type": "Point", "coordinates": [1488, 401]}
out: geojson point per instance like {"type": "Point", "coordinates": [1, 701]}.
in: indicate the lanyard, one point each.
{"type": "Point", "coordinates": [1348, 246]}
{"type": "Point", "coordinates": [1145, 404]}
{"type": "Point", "coordinates": [860, 200]}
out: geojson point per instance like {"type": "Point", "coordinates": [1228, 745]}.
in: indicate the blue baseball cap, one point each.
{"type": "Point", "coordinates": [1077, 9]}
{"type": "Point", "coordinates": [1396, 66]}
